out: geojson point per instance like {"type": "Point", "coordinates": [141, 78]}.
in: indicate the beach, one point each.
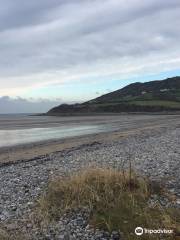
{"type": "Point", "coordinates": [150, 142]}
{"type": "Point", "coordinates": [102, 128]}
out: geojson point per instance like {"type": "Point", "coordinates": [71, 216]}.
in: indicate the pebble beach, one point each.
{"type": "Point", "coordinates": [152, 152]}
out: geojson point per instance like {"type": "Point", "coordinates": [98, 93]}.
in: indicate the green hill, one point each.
{"type": "Point", "coordinates": [153, 96]}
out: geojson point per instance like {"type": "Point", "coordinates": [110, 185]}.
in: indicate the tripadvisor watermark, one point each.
{"type": "Point", "coordinates": [140, 231]}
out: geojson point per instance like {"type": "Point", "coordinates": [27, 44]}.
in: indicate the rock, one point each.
{"type": "Point", "coordinates": [4, 215]}
{"type": "Point", "coordinates": [155, 154]}
{"type": "Point", "coordinates": [12, 226]}
{"type": "Point", "coordinates": [115, 235]}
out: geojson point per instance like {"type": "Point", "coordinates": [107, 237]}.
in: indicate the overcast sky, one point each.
{"type": "Point", "coordinates": [75, 50]}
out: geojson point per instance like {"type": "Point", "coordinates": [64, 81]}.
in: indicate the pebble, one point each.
{"type": "Point", "coordinates": [155, 154]}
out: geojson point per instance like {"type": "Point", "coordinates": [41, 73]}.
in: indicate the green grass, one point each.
{"type": "Point", "coordinates": [148, 99]}
{"type": "Point", "coordinates": [169, 104]}
{"type": "Point", "coordinates": [118, 201]}
{"type": "Point", "coordinates": [144, 103]}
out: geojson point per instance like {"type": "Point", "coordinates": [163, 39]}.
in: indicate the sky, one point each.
{"type": "Point", "coordinates": [57, 51]}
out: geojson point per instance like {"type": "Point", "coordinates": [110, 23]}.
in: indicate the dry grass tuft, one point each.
{"type": "Point", "coordinates": [5, 235]}
{"type": "Point", "coordinates": [118, 200]}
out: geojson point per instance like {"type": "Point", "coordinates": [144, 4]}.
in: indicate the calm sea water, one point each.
{"type": "Point", "coordinates": [22, 129]}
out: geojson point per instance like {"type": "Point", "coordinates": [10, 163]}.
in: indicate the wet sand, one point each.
{"type": "Point", "coordinates": [122, 125]}
{"type": "Point", "coordinates": [150, 144]}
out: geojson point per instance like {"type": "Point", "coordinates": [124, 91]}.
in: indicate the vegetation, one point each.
{"type": "Point", "coordinates": [154, 96]}
{"type": "Point", "coordinates": [4, 235]}
{"type": "Point", "coordinates": [118, 201]}
{"type": "Point", "coordinates": [169, 104]}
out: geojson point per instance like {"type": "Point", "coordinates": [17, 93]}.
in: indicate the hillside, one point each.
{"type": "Point", "coordinates": [153, 96]}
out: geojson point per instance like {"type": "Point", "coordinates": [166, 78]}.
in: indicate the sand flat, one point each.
{"type": "Point", "coordinates": [123, 125]}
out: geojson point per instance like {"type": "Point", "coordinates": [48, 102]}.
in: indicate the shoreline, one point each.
{"type": "Point", "coordinates": [31, 151]}
{"type": "Point", "coordinates": [25, 152]}
{"type": "Point", "coordinates": [106, 114]}
{"type": "Point", "coordinates": [154, 151]}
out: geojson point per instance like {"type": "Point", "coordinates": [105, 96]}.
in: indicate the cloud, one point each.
{"type": "Point", "coordinates": [21, 105]}
{"type": "Point", "coordinates": [55, 42]}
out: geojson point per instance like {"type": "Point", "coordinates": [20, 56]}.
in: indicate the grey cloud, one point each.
{"type": "Point", "coordinates": [21, 13]}
{"type": "Point", "coordinates": [43, 35]}
{"type": "Point", "coordinates": [21, 105]}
